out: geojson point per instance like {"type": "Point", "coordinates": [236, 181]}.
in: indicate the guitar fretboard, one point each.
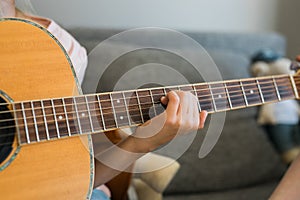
{"type": "Point", "coordinates": [51, 119]}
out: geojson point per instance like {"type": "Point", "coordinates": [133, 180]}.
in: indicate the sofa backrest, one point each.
{"type": "Point", "coordinates": [242, 156]}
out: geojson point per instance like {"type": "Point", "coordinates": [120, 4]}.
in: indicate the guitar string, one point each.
{"type": "Point", "coordinates": [223, 96]}
{"type": "Point", "coordinates": [202, 96]}
{"type": "Point", "coordinates": [54, 136]}
{"type": "Point", "coordinates": [190, 91]}
{"type": "Point", "coordinates": [204, 104]}
{"type": "Point", "coordinates": [270, 81]}
{"type": "Point", "coordinates": [62, 134]}
{"type": "Point", "coordinates": [146, 96]}
{"type": "Point", "coordinates": [53, 129]}
{"type": "Point", "coordinates": [208, 102]}
{"type": "Point", "coordinates": [13, 134]}
{"type": "Point", "coordinates": [112, 119]}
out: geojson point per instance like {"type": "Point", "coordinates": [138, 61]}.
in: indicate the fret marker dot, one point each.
{"type": "Point", "coordinates": [60, 117]}
{"type": "Point", "coordinates": [118, 101]}
{"type": "Point", "coordinates": [219, 96]}
{"type": "Point", "coordinates": [251, 92]}
{"type": "Point", "coordinates": [82, 114]}
{"type": "Point", "coordinates": [121, 117]}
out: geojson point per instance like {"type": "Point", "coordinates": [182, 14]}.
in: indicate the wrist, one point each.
{"type": "Point", "coordinates": [136, 145]}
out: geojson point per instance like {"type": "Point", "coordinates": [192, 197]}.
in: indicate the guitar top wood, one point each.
{"type": "Point", "coordinates": [33, 65]}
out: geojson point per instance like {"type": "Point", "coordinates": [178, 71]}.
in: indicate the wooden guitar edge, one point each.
{"type": "Point", "coordinates": [18, 158]}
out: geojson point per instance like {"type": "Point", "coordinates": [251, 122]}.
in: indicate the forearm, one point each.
{"type": "Point", "coordinates": [178, 119]}
{"type": "Point", "coordinates": [289, 186]}
{"type": "Point", "coordinates": [117, 158]}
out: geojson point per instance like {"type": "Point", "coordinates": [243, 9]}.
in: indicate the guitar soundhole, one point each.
{"type": "Point", "coordinates": [7, 130]}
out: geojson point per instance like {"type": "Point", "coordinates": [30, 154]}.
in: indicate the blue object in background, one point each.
{"type": "Point", "coordinates": [266, 55]}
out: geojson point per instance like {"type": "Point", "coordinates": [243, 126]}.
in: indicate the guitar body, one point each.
{"type": "Point", "coordinates": [33, 65]}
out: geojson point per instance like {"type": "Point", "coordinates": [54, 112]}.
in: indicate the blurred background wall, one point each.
{"type": "Point", "coordinates": [182, 15]}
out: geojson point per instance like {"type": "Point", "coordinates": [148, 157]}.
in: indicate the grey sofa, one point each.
{"type": "Point", "coordinates": [243, 165]}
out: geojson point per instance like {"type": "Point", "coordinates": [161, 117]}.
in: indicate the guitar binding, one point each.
{"type": "Point", "coordinates": [7, 128]}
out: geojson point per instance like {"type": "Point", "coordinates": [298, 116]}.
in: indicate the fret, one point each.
{"type": "Point", "coordinates": [119, 105]}
{"type": "Point", "coordinates": [16, 117]}
{"type": "Point", "coordinates": [89, 113]}
{"type": "Point", "coordinates": [186, 88]}
{"type": "Point", "coordinates": [244, 94]}
{"type": "Point", "coordinates": [236, 94]}
{"type": "Point", "coordinates": [139, 104]}
{"type": "Point", "coordinates": [48, 110]}
{"type": "Point", "coordinates": [297, 82]}
{"type": "Point", "coordinates": [219, 96]}
{"type": "Point", "coordinates": [153, 103]}
{"type": "Point", "coordinates": [70, 116]}
{"type": "Point", "coordinates": [169, 88]}
{"type": "Point", "coordinates": [107, 110]}
{"type": "Point", "coordinates": [39, 120]}
{"type": "Point", "coordinates": [191, 89]}
{"type": "Point", "coordinates": [30, 121]}
{"type": "Point", "coordinates": [101, 112]}
{"type": "Point", "coordinates": [66, 115]}
{"type": "Point", "coordinates": [77, 114]}
{"type": "Point", "coordinates": [276, 88]}
{"type": "Point", "coordinates": [251, 92]}
{"type": "Point", "coordinates": [55, 119]}
{"type": "Point", "coordinates": [61, 118]}
{"type": "Point", "coordinates": [294, 86]}
{"type": "Point", "coordinates": [260, 92]}
{"type": "Point", "coordinates": [45, 120]}
{"type": "Point", "coordinates": [268, 89]}
{"type": "Point", "coordinates": [228, 97]}
{"type": "Point", "coordinates": [212, 97]}
{"type": "Point", "coordinates": [114, 112]}
{"type": "Point", "coordinates": [83, 115]}
{"type": "Point", "coordinates": [126, 107]}
{"type": "Point", "coordinates": [134, 107]}
{"type": "Point", "coordinates": [146, 104]}
{"type": "Point", "coordinates": [285, 87]}
{"type": "Point", "coordinates": [165, 92]}
{"type": "Point", "coordinates": [20, 123]}
{"type": "Point", "coordinates": [198, 102]}
{"type": "Point", "coordinates": [25, 123]}
{"type": "Point", "coordinates": [157, 93]}
{"type": "Point", "coordinates": [95, 114]}
{"type": "Point", "coordinates": [35, 123]}
{"type": "Point", "coordinates": [204, 94]}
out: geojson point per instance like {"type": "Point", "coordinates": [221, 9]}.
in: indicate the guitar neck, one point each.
{"type": "Point", "coordinates": [51, 119]}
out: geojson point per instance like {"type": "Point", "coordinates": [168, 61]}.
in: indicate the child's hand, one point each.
{"type": "Point", "coordinates": [180, 117]}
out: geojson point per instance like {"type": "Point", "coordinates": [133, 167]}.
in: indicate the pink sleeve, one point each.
{"type": "Point", "coordinates": [76, 52]}
{"type": "Point", "coordinates": [78, 56]}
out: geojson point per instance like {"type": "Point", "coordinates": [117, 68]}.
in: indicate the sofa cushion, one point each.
{"type": "Point", "coordinates": [257, 192]}
{"type": "Point", "coordinates": [237, 159]}
{"type": "Point", "coordinates": [242, 157]}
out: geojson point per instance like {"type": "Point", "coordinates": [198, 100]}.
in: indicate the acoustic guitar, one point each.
{"type": "Point", "coordinates": [46, 123]}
